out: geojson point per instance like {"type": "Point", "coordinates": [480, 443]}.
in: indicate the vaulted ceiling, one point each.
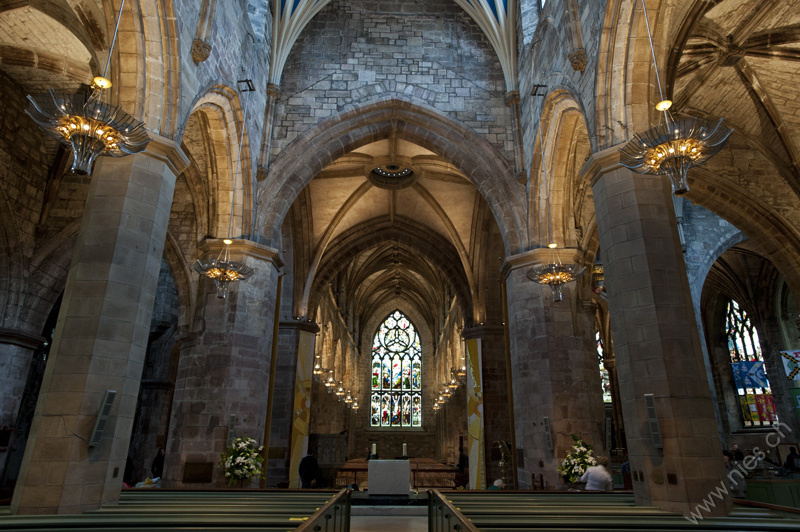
{"type": "Point", "coordinates": [740, 60]}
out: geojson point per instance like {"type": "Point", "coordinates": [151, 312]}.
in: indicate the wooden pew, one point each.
{"type": "Point", "coordinates": [175, 511]}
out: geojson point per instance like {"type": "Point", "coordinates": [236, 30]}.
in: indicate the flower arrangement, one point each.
{"type": "Point", "coordinates": [578, 459]}
{"type": "Point", "coordinates": [242, 460]}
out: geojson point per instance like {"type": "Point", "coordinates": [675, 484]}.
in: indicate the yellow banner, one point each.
{"type": "Point", "coordinates": [476, 451]}
{"type": "Point", "coordinates": [302, 405]}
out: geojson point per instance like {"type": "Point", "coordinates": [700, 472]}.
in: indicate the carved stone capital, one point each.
{"type": "Point", "coordinates": [512, 98]}
{"type": "Point", "coordinates": [261, 173]}
{"type": "Point", "coordinates": [200, 50]}
{"type": "Point", "coordinates": [273, 91]}
{"type": "Point", "coordinates": [577, 59]}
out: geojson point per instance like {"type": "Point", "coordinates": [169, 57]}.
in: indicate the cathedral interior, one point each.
{"type": "Point", "coordinates": [390, 176]}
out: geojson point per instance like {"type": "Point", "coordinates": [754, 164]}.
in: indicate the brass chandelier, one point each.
{"type": "Point", "coordinates": [86, 124]}
{"type": "Point", "coordinates": [223, 270]}
{"type": "Point", "coordinates": [673, 146]}
{"type": "Point", "coordinates": [555, 274]}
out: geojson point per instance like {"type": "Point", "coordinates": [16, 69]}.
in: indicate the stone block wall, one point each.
{"type": "Point", "coordinates": [429, 52]}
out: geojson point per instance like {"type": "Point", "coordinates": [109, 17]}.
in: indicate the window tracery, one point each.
{"type": "Point", "coordinates": [396, 399]}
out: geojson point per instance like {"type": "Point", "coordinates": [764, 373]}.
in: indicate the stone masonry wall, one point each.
{"type": "Point", "coordinates": [427, 51]}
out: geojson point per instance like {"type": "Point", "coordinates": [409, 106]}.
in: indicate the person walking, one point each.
{"type": "Point", "coordinates": [597, 477]}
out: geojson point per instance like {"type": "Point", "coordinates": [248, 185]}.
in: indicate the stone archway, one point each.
{"type": "Point", "coordinates": [307, 155]}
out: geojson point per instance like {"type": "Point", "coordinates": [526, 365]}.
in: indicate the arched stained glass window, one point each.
{"type": "Point", "coordinates": [601, 360]}
{"type": "Point", "coordinates": [749, 374]}
{"type": "Point", "coordinates": [396, 399]}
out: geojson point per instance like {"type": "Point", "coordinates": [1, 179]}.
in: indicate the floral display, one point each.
{"type": "Point", "coordinates": [578, 459]}
{"type": "Point", "coordinates": [242, 460]}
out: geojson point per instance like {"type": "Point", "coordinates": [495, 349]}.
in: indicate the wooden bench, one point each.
{"type": "Point", "coordinates": [502, 511]}
{"type": "Point", "coordinates": [174, 511]}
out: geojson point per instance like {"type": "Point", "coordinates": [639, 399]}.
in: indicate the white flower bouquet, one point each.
{"type": "Point", "coordinates": [578, 459]}
{"type": "Point", "coordinates": [242, 460]}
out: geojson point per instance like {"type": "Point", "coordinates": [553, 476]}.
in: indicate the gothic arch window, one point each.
{"type": "Point", "coordinates": [750, 377]}
{"type": "Point", "coordinates": [396, 399]}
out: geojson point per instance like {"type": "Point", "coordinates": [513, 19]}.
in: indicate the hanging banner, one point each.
{"type": "Point", "coordinates": [750, 374]}
{"type": "Point", "coordinates": [476, 451]}
{"type": "Point", "coordinates": [766, 408]}
{"type": "Point", "coordinates": [791, 363]}
{"type": "Point", "coordinates": [302, 405]}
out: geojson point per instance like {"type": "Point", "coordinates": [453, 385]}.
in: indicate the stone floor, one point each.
{"type": "Point", "coordinates": [388, 523]}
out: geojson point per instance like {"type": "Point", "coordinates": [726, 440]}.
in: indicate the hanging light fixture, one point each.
{"type": "Point", "coordinates": [318, 368]}
{"type": "Point", "coordinates": [355, 405]}
{"type": "Point", "coordinates": [88, 125]}
{"type": "Point", "coordinates": [452, 384]}
{"type": "Point", "coordinates": [223, 270]}
{"type": "Point", "coordinates": [348, 399]}
{"type": "Point", "coordinates": [462, 371]}
{"type": "Point", "coordinates": [340, 392]}
{"type": "Point", "coordinates": [554, 274]}
{"type": "Point", "coordinates": [446, 391]}
{"type": "Point", "coordinates": [673, 146]}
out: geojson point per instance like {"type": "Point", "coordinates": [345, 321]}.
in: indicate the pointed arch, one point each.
{"type": "Point", "coordinates": [227, 161]}
{"type": "Point", "coordinates": [309, 153]}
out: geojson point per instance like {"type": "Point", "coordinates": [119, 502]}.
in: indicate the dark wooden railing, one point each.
{"type": "Point", "coordinates": [333, 517]}
{"type": "Point", "coordinates": [444, 517]}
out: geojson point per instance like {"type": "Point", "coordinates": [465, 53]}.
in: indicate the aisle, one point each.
{"type": "Point", "coordinates": [389, 523]}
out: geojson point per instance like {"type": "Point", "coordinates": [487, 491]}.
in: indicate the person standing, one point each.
{"type": "Point", "coordinates": [309, 471]}
{"type": "Point", "coordinates": [157, 469]}
{"type": "Point", "coordinates": [597, 477]}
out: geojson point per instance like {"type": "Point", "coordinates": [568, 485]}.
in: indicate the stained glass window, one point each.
{"type": "Point", "coordinates": [749, 374]}
{"type": "Point", "coordinates": [396, 374]}
{"type": "Point", "coordinates": [604, 379]}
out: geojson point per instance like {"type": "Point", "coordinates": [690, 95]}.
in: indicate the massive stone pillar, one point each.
{"type": "Point", "coordinates": [223, 374]}
{"type": "Point", "coordinates": [101, 335]}
{"type": "Point", "coordinates": [655, 340]}
{"type": "Point", "coordinates": [556, 380]}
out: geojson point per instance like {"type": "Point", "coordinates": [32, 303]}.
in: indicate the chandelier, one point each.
{"type": "Point", "coordinates": [555, 274]}
{"type": "Point", "coordinates": [87, 125]}
{"type": "Point", "coordinates": [673, 146]}
{"type": "Point", "coordinates": [222, 270]}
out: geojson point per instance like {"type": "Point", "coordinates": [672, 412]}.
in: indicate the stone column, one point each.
{"type": "Point", "coordinates": [289, 334]}
{"type": "Point", "coordinates": [101, 335]}
{"type": "Point", "coordinates": [656, 342]}
{"type": "Point", "coordinates": [512, 102]}
{"type": "Point", "coordinates": [16, 352]}
{"type": "Point", "coordinates": [556, 379]}
{"type": "Point", "coordinates": [223, 374]}
{"type": "Point", "coordinates": [273, 94]}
